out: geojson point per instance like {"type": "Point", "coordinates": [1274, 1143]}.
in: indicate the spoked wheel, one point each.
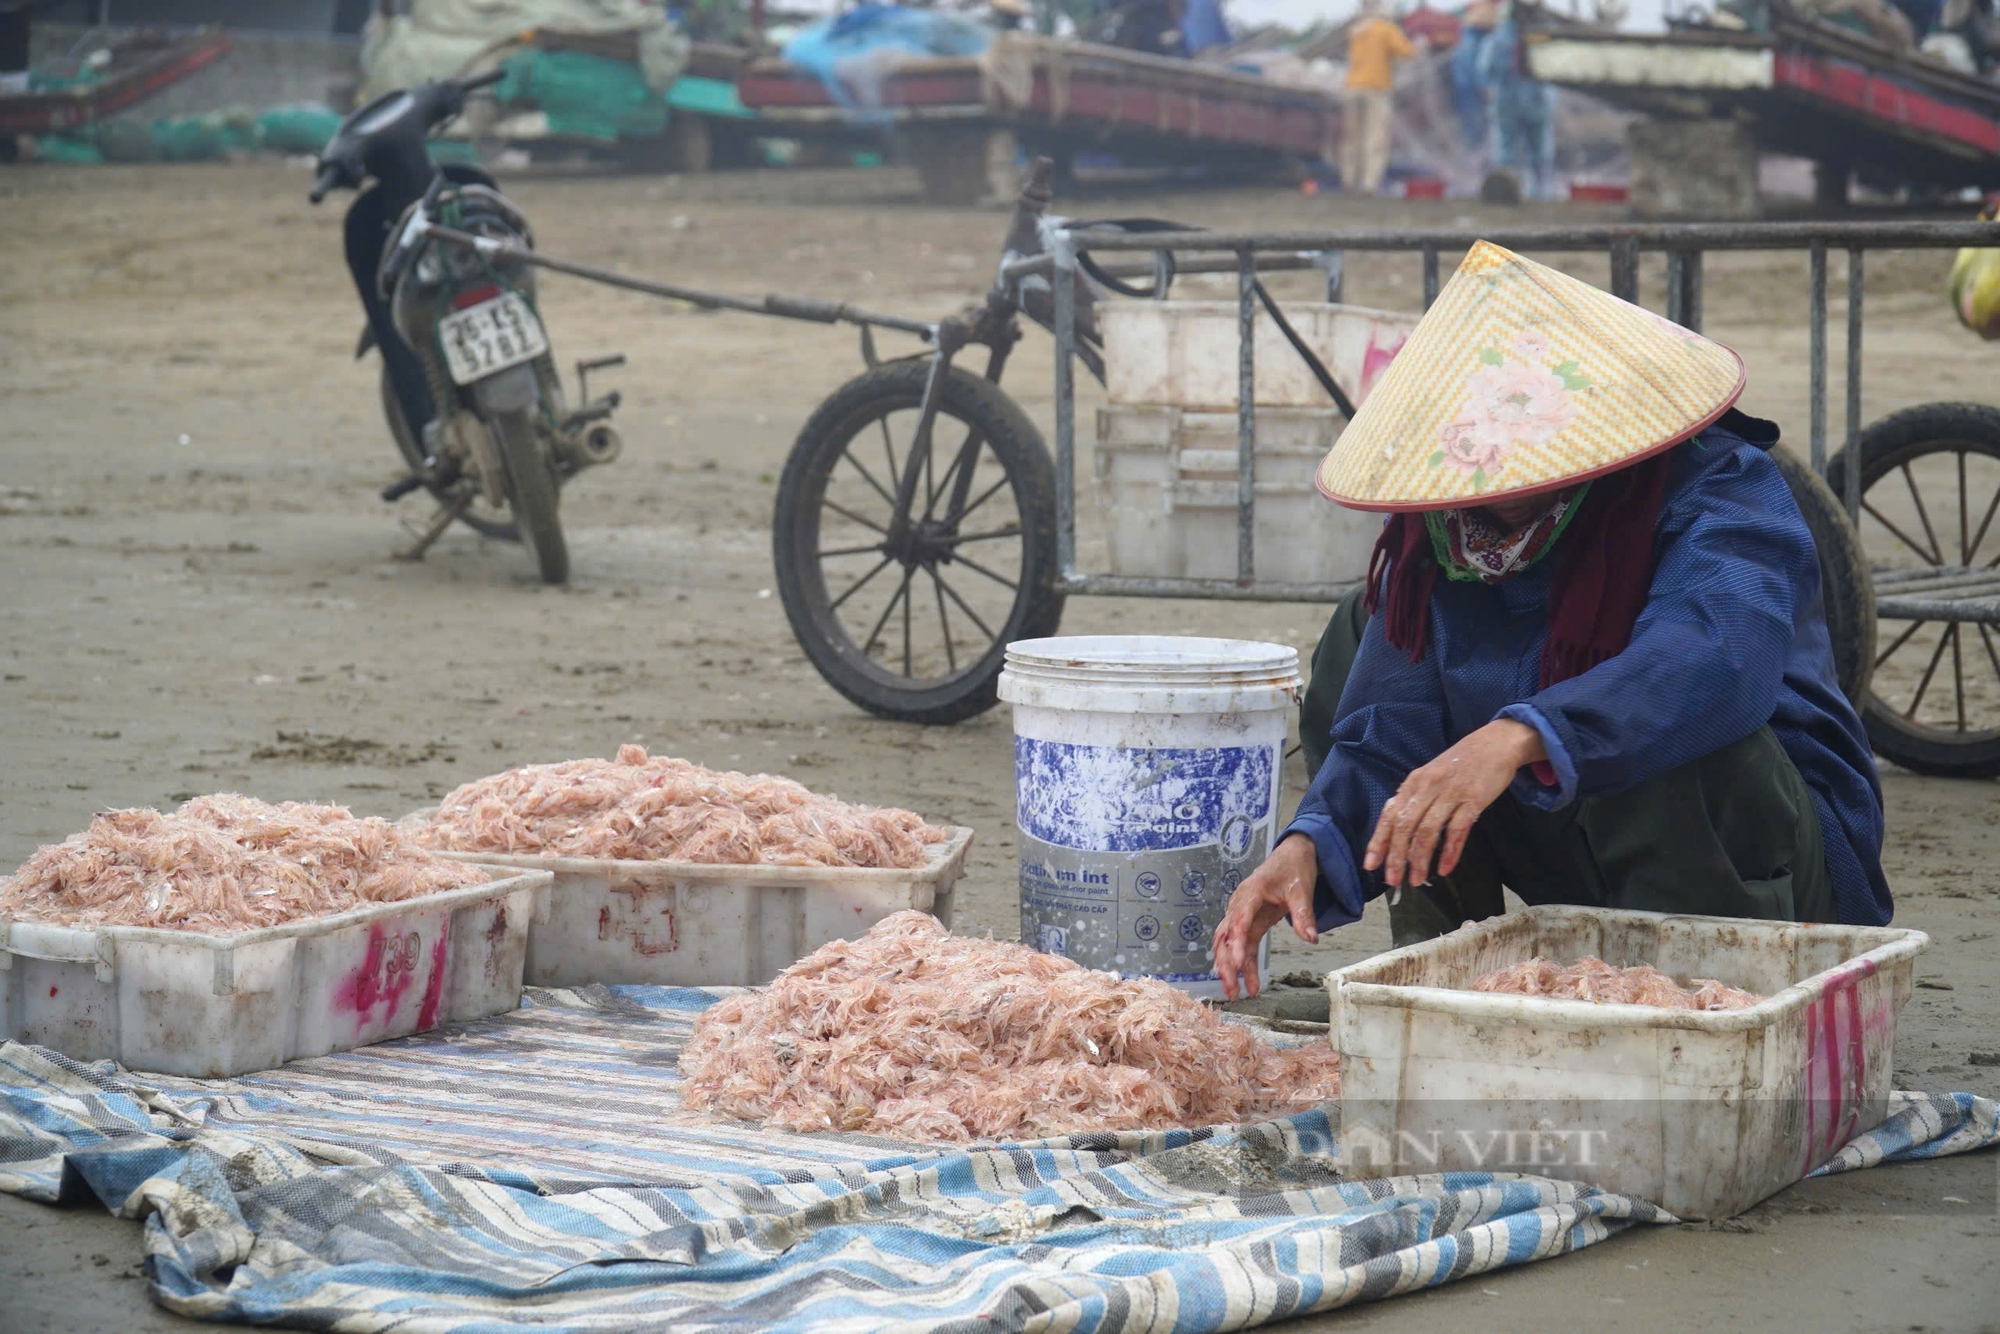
{"type": "Point", "coordinates": [1846, 596]}
{"type": "Point", "coordinates": [495, 521]}
{"type": "Point", "coordinates": [907, 609]}
{"type": "Point", "coordinates": [1930, 491]}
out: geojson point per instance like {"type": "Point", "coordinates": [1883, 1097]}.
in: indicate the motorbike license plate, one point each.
{"type": "Point", "coordinates": [491, 336]}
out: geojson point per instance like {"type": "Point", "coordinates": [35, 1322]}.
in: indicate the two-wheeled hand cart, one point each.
{"type": "Point", "coordinates": [922, 524]}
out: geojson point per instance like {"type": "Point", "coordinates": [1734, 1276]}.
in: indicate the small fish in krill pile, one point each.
{"type": "Point", "coordinates": [225, 863]}
{"type": "Point", "coordinates": [916, 1033]}
{"type": "Point", "coordinates": [654, 808]}
{"type": "Point", "coordinates": [1592, 979]}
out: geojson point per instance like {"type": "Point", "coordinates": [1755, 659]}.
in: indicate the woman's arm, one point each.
{"type": "Point", "coordinates": [1392, 718]}
{"type": "Point", "coordinates": [1437, 805]}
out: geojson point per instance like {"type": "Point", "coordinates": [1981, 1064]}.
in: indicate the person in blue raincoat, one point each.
{"type": "Point", "coordinates": [1203, 26]}
{"type": "Point", "coordinates": [1589, 663]}
{"type": "Point", "coordinates": [1469, 92]}
{"type": "Point", "coordinates": [1521, 108]}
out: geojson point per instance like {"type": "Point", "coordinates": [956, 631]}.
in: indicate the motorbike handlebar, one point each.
{"type": "Point", "coordinates": [394, 119]}
{"type": "Point", "coordinates": [446, 98]}
{"type": "Point", "coordinates": [329, 176]}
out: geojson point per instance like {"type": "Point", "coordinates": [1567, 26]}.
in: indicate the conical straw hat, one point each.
{"type": "Point", "coordinates": [1521, 379]}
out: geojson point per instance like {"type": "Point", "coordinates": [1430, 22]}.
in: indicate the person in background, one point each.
{"type": "Point", "coordinates": [1151, 27]}
{"type": "Point", "coordinates": [1374, 48]}
{"type": "Point", "coordinates": [1202, 26]}
{"type": "Point", "coordinates": [1975, 22]}
{"type": "Point", "coordinates": [1468, 87]}
{"type": "Point", "coordinates": [1524, 139]}
{"type": "Point", "coordinates": [1590, 662]}
{"type": "Point", "coordinates": [1007, 15]}
{"type": "Point", "coordinates": [1877, 19]}
{"type": "Point", "coordinates": [1923, 16]}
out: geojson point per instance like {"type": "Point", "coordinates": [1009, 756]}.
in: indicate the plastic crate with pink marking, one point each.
{"type": "Point", "coordinates": [206, 1006]}
{"type": "Point", "coordinates": [1703, 1113]}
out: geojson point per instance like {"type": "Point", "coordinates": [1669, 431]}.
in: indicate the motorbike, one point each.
{"type": "Point", "coordinates": [468, 379]}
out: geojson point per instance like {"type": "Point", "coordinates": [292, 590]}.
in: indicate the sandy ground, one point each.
{"type": "Point", "coordinates": [199, 595]}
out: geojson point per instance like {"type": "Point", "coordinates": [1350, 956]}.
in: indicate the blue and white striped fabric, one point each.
{"type": "Point", "coordinates": [537, 1172]}
{"type": "Point", "coordinates": [1921, 1125]}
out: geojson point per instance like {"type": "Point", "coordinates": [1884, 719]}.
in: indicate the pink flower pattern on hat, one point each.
{"type": "Point", "coordinates": [1521, 377]}
{"type": "Point", "coordinates": [1530, 344]}
{"type": "Point", "coordinates": [1510, 402]}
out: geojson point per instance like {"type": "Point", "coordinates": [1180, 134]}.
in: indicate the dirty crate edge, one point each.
{"type": "Point", "coordinates": [1712, 1113]}
{"type": "Point", "coordinates": [692, 924]}
{"type": "Point", "coordinates": [205, 1005]}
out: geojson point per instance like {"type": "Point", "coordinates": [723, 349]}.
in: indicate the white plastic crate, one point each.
{"type": "Point", "coordinates": [689, 924]}
{"type": "Point", "coordinates": [185, 1003]}
{"type": "Point", "coordinates": [1702, 1113]}
{"type": "Point", "coordinates": [1167, 489]}
{"type": "Point", "coordinates": [1183, 354]}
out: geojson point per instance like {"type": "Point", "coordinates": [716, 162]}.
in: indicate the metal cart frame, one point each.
{"type": "Point", "coordinates": [1684, 246]}
{"type": "Point", "coordinates": [1962, 597]}
{"type": "Point", "coordinates": [1038, 278]}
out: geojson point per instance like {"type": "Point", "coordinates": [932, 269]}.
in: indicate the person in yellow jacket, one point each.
{"type": "Point", "coordinates": [1373, 48]}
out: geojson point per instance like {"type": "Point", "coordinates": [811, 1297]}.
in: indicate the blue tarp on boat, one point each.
{"type": "Point", "coordinates": [852, 51]}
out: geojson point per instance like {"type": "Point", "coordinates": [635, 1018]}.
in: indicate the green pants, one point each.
{"type": "Point", "coordinates": [1732, 834]}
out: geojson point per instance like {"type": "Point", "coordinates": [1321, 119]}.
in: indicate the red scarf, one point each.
{"type": "Point", "coordinates": [1604, 573]}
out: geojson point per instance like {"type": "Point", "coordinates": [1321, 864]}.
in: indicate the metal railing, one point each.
{"type": "Point", "coordinates": [1683, 244]}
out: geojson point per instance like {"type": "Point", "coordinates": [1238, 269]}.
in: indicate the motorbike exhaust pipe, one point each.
{"type": "Point", "coordinates": [599, 445]}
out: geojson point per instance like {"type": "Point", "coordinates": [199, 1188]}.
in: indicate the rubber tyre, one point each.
{"type": "Point", "coordinates": [532, 489]}
{"type": "Point", "coordinates": [1038, 606]}
{"type": "Point", "coordinates": [1888, 444]}
{"type": "Point", "coordinates": [1846, 590]}
{"type": "Point", "coordinates": [413, 455]}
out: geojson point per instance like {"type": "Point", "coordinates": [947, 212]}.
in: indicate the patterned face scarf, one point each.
{"type": "Point", "coordinates": [1469, 545]}
{"type": "Point", "coordinates": [1599, 588]}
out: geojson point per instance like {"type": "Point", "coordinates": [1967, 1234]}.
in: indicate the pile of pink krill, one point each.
{"type": "Point", "coordinates": [1592, 979]}
{"type": "Point", "coordinates": [919, 1034]}
{"type": "Point", "coordinates": [225, 863]}
{"type": "Point", "coordinates": [654, 808]}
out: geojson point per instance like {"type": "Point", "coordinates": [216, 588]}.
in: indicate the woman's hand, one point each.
{"type": "Point", "coordinates": [1281, 887]}
{"type": "Point", "coordinates": [1444, 799]}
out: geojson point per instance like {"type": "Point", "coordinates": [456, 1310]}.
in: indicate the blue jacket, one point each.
{"type": "Point", "coordinates": [1732, 637]}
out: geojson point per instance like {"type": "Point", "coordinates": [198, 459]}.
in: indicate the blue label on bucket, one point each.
{"type": "Point", "coordinates": [1114, 799]}
{"type": "Point", "coordinates": [1128, 856]}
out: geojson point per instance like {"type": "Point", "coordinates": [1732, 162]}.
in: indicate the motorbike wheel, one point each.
{"type": "Point", "coordinates": [533, 488]}
{"type": "Point", "coordinates": [1930, 491]}
{"type": "Point", "coordinates": [954, 611]}
{"type": "Point", "coordinates": [479, 516]}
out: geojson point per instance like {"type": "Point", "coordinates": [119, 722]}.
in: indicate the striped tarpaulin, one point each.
{"type": "Point", "coordinates": [537, 1171]}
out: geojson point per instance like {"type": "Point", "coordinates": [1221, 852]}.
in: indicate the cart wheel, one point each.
{"type": "Point", "coordinates": [910, 616]}
{"type": "Point", "coordinates": [1845, 591]}
{"type": "Point", "coordinates": [1930, 486]}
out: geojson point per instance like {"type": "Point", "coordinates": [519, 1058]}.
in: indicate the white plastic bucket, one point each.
{"type": "Point", "coordinates": [1146, 775]}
